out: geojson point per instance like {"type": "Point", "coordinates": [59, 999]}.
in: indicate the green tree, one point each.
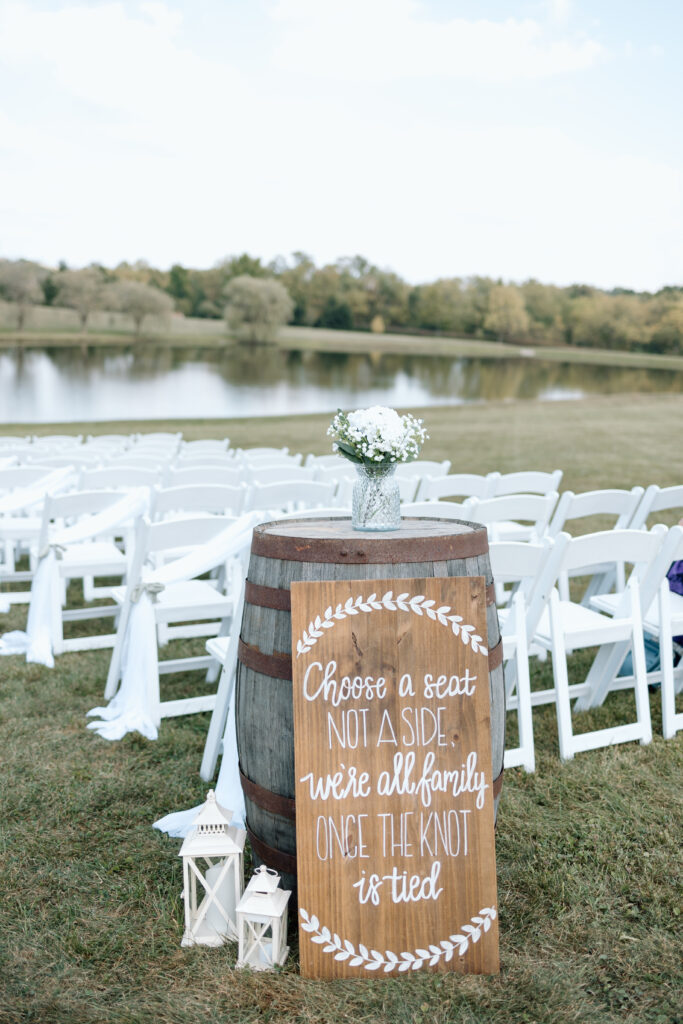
{"type": "Point", "coordinates": [138, 301]}
{"type": "Point", "coordinates": [506, 317]}
{"type": "Point", "coordinates": [336, 315]}
{"type": "Point", "coordinates": [82, 290]}
{"type": "Point", "coordinates": [20, 282]}
{"type": "Point", "coordinates": [256, 308]}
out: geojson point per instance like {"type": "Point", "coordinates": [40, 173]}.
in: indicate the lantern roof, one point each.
{"type": "Point", "coordinates": [264, 881]}
{"type": "Point", "coordinates": [211, 833]}
{"type": "Point", "coordinates": [259, 905]}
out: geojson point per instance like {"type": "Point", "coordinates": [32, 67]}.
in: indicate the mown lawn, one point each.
{"type": "Point", "coordinates": [588, 853]}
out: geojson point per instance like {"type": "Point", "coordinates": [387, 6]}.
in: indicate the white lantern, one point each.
{"type": "Point", "coordinates": [210, 918]}
{"type": "Point", "coordinates": [262, 922]}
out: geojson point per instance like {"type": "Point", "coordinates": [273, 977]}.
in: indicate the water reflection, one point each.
{"type": "Point", "coordinates": [73, 384]}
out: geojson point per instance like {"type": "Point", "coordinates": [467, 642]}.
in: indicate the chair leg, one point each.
{"type": "Point", "coordinates": [562, 702]}
{"type": "Point", "coordinates": [671, 722]}
{"type": "Point", "coordinates": [524, 716]}
{"type": "Point", "coordinates": [640, 668]}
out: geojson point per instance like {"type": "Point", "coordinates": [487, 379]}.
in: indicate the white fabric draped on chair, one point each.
{"type": "Point", "coordinates": [136, 706]}
{"type": "Point", "coordinates": [38, 640]}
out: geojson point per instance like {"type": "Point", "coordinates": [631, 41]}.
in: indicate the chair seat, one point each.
{"type": "Point", "coordinates": [217, 647]}
{"type": "Point", "coordinates": [651, 620]}
{"type": "Point", "coordinates": [509, 530]}
{"type": "Point", "coordinates": [187, 599]}
{"type": "Point", "coordinates": [582, 627]}
{"type": "Point", "coordinates": [99, 558]}
{"type": "Point", "coordinates": [20, 527]}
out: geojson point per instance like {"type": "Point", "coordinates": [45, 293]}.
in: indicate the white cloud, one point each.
{"type": "Point", "coordinates": [385, 40]}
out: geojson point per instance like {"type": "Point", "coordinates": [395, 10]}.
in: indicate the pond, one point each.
{"type": "Point", "coordinates": [69, 384]}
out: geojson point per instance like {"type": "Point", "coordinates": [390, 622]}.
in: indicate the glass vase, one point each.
{"type": "Point", "coordinates": [376, 499]}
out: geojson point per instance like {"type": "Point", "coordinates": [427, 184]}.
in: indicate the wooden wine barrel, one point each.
{"type": "Point", "coordinates": [329, 549]}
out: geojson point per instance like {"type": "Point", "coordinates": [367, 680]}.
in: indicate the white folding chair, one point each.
{"type": "Point", "coordinates": [662, 618]}
{"type": "Point", "coordinates": [119, 478]}
{"type": "Point", "coordinates": [288, 496]}
{"type": "Point", "coordinates": [323, 461]}
{"type": "Point", "coordinates": [94, 555]}
{"type": "Point", "coordinates": [619, 505]}
{"type": "Point", "coordinates": [131, 460]}
{"type": "Point", "coordinates": [457, 485]}
{"type": "Point", "coordinates": [185, 600]}
{"type": "Point", "coordinates": [568, 626]}
{"type": "Point", "coordinates": [515, 516]}
{"type": "Point", "coordinates": [225, 476]}
{"type": "Point", "coordinates": [58, 440]}
{"type": "Point", "coordinates": [268, 454]}
{"type": "Point", "coordinates": [532, 569]}
{"type": "Point", "coordinates": [527, 482]}
{"type": "Point", "coordinates": [206, 445]}
{"type": "Point", "coordinates": [209, 499]}
{"type": "Point", "coordinates": [220, 460]}
{"type": "Point", "coordinates": [21, 510]}
{"type": "Point", "coordinates": [418, 470]}
{"type": "Point", "coordinates": [657, 499]}
{"type": "Point", "coordinates": [275, 474]}
{"type": "Point", "coordinates": [438, 509]}
{"type": "Point", "coordinates": [667, 624]}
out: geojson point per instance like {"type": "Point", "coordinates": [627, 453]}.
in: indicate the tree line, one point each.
{"type": "Point", "coordinates": [354, 294]}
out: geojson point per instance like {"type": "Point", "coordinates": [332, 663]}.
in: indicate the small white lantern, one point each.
{"type": "Point", "coordinates": [262, 922]}
{"type": "Point", "coordinates": [221, 846]}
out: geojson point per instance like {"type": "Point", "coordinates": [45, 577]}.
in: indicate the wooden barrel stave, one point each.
{"type": "Point", "coordinates": [264, 708]}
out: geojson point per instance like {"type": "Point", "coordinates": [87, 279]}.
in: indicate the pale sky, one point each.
{"type": "Point", "coordinates": [436, 137]}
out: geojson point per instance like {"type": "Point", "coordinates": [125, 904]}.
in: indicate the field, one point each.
{"type": "Point", "coordinates": [588, 853]}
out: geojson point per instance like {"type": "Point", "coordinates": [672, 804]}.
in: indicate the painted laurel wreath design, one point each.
{"type": "Point", "coordinates": [402, 602]}
{"type": "Point", "coordinates": [372, 960]}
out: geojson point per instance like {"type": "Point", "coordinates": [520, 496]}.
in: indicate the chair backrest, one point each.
{"type": "Point", "coordinates": [226, 476]}
{"type": "Point", "coordinates": [323, 460]}
{"type": "Point", "coordinates": [22, 476]}
{"type": "Point", "coordinates": [657, 499]}
{"type": "Point", "coordinates": [204, 458]}
{"type": "Point", "coordinates": [635, 547]}
{"type": "Point", "coordinates": [119, 478]}
{"type": "Point", "coordinates": [535, 566]}
{"type": "Point", "coordinates": [288, 495]}
{"type": "Point", "coordinates": [63, 508]}
{"type": "Point", "coordinates": [206, 444]}
{"type": "Point", "coordinates": [618, 503]}
{"type": "Point", "coordinates": [58, 440]}
{"type": "Point", "coordinates": [262, 453]}
{"type": "Point", "coordinates": [80, 458]}
{"type": "Point", "coordinates": [181, 534]}
{"type": "Point", "coordinates": [132, 460]}
{"type": "Point", "coordinates": [209, 498]}
{"type": "Point", "coordinates": [456, 485]}
{"type": "Point", "coordinates": [437, 509]}
{"type": "Point", "coordinates": [273, 474]}
{"type": "Point", "coordinates": [109, 439]}
{"type": "Point", "coordinates": [161, 435]}
{"type": "Point", "coordinates": [423, 467]}
{"type": "Point", "coordinates": [528, 482]}
{"type": "Point", "coordinates": [340, 470]}
{"type": "Point", "coordinates": [9, 440]}
{"type": "Point", "coordinates": [535, 509]}
{"type": "Point", "coordinates": [269, 460]}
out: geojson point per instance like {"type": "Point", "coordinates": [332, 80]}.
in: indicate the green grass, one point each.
{"type": "Point", "coordinates": [588, 853]}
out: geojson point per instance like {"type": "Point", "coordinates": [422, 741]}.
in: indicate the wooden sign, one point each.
{"type": "Point", "coordinates": [394, 800]}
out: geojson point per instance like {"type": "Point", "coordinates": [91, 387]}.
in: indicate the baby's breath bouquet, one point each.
{"type": "Point", "coordinates": [377, 436]}
{"type": "Point", "coordinates": [376, 440]}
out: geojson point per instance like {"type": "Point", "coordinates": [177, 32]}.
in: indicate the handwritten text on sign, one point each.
{"type": "Point", "coordinates": [394, 799]}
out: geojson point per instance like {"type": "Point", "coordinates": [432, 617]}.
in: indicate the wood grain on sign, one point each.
{"type": "Point", "coordinates": [394, 801]}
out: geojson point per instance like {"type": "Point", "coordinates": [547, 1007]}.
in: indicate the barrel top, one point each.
{"type": "Point", "coordinates": [422, 539]}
